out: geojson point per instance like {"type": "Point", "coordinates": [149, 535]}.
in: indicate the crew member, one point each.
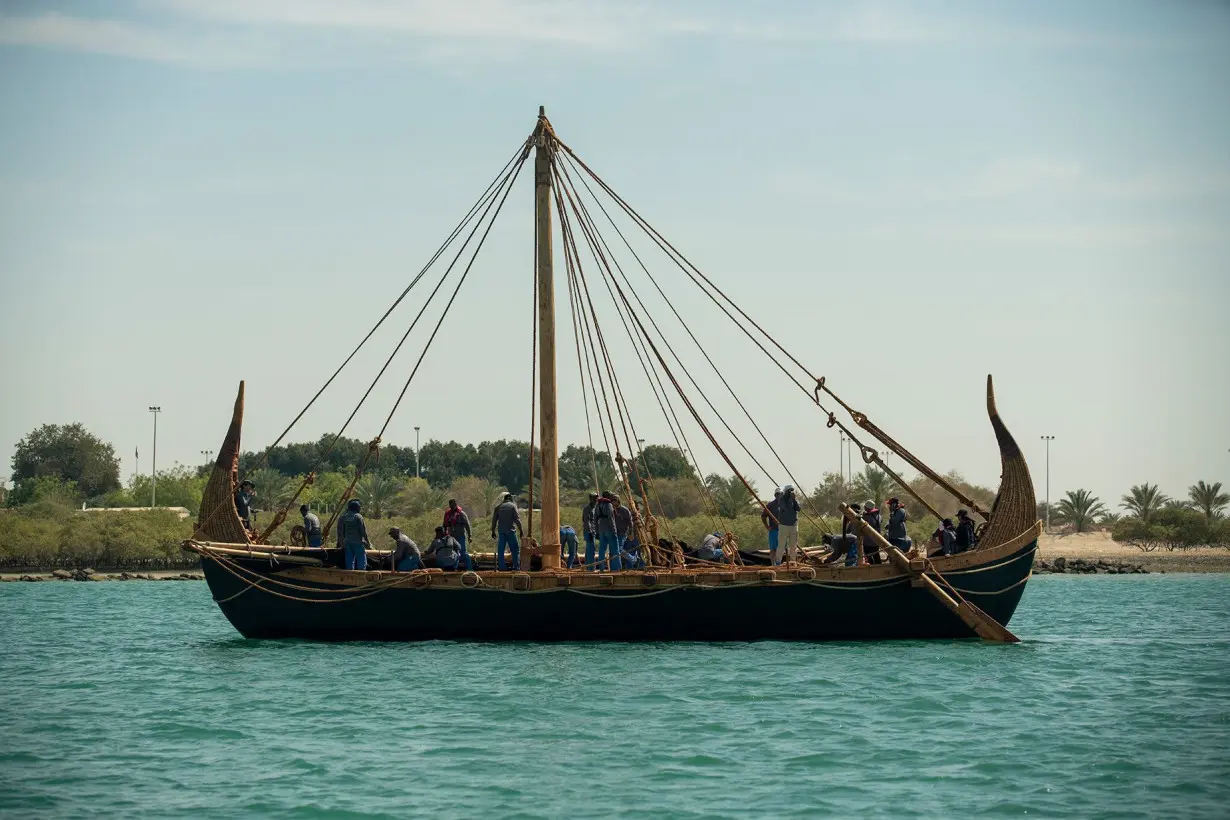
{"type": "Point", "coordinates": [406, 555]}
{"type": "Point", "coordinates": [243, 503]}
{"type": "Point", "coordinates": [311, 527]}
{"type": "Point", "coordinates": [896, 525]}
{"type": "Point", "coordinates": [945, 537]}
{"type": "Point", "coordinates": [966, 539]}
{"type": "Point", "coordinates": [457, 524]}
{"type": "Point", "coordinates": [871, 514]}
{"type": "Point", "coordinates": [608, 542]}
{"type": "Point", "coordinates": [506, 525]}
{"type": "Point", "coordinates": [768, 517]}
{"type": "Point", "coordinates": [711, 549]}
{"type": "Point", "coordinates": [352, 536]}
{"type": "Point", "coordinates": [589, 529]}
{"type": "Point", "coordinates": [568, 541]}
{"type": "Point", "coordinates": [625, 534]}
{"type": "Point", "coordinates": [447, 551]}
{"type": "Point", "coordinates": [788, 522]}
{"type": "Point", "coordinates": [850, 536]}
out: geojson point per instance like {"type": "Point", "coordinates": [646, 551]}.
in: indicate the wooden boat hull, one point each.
{"type": "Point", "coordinates": [870, 603]}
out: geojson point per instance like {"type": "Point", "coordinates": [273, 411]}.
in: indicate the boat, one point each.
{"type": "Point", "coordinates": [273, 591]}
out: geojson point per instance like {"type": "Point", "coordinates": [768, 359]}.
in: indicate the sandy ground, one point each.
{"type": "Point", "coordinates": [1095, 545]}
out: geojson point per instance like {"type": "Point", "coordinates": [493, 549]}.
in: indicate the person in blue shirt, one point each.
{"type": "Point", "coordinates": [243, 503]}
{"type": "Point", "coordinates": [589, 530]}
{"type": "Point", "coordinates": [768, 517]}
{"type": "Point", "coordinates": [568, 542]}
{"type": "Point", "coordinates": [608, 543]}
{"type": "Point", "coordinates": [352, 536]}
{"type": "Point", "coordinates": [896, 526]}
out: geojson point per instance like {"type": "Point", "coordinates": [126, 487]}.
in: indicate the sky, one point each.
{"type": "Point", "coordinates": [908, 196]}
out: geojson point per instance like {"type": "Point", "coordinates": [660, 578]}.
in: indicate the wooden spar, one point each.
{"type": "Point", "coordinates": [983, 624]}
{"type": "Point", "coordinates": [544, 147]}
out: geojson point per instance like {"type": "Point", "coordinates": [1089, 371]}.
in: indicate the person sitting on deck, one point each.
{"type": "Point", "coordinates": [788, 522]}
{"type": "Point", "coordinates": [445, 550]}
{"type": "Point", "coordinates": [311, 528]}
{"type": "Point", "coordinates": [457, 524]}
{"type": "Point", "coordinates": [589, 529]}
{"type": "Point", "coordinates": [506, 522]}
{"type": "Point", "coordinates": [406, 556]}
{"type": "Point", "coordinates": [625, 536]}
{"type": "Point", "coordinates": [711, 549]}
{"type": "Point", "coordinates": [568, 546]}
{"type": "Point", "coordinates": [352, 536]}
{"type": "Point", "coordinates": [966, 538]}
{"type": "Point", "coordinates": [896, 525]}
{"type": "Point", "coordinates": [871, 514]}
{"type": "Point", "coordinates": [768, 517]}
{"type": "Point", "coordinates": [243, 503]}
{"type": "Point", "coordinates": [945, 537]}
{"type": "Point", "coordinates": [608, 545]}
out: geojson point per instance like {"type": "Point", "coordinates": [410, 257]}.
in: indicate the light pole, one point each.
{"type": "Point", "coordinates": [153, 471]}
{"type": "Point", "coordinates": [1048, 440]}
{"type": "Point", "coordinates": [416, 453]}
{"type": "Point", "coordinates": [841, 456]}
{"type": "Point", "coordinates": [207, 454]}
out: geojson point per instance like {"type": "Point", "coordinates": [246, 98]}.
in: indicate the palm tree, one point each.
{"type": "Point", "coordinates": [273, 489]}
{"type": "Point", "coordinates": [1143, 500]}
{"type": "Point", "coordinates": [1209, 499]}
{"type": "Point", "coordinates": [879, 485]}
{"type": "Point", "coordinates": [1176, 504]}
{"type": "Point", "coordinates": [730, 495]}
{"type": "Point", "coordinates": [1109, 519]}
{"type": "Point", "coordinates": [1080, 508]}
{"type": "Point", "coordinates": [418, 497]}
{"type": "Point", "coordinates": [377, 492]}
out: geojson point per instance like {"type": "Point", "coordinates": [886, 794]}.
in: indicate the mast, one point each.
{"type": "Point", "coordinates": [544, 141]}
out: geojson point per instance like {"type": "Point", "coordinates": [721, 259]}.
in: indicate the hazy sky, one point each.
{"type": "Point", "coordinates": [195, 192]}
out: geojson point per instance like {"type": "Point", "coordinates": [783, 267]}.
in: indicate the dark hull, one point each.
{"type": "Point", "coordinates": [822, 610]}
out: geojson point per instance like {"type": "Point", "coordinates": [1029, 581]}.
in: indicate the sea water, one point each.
{"type": "Point", "coordinates": [139, 699]}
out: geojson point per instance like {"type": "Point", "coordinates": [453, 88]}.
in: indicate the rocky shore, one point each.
{"type": "Point", "coordinates": [91, 575]}
{"type": "Point", "coordinates": [1081, 566]}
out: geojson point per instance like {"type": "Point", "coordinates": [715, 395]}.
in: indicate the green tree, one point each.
{"type": "Point", "coordinates": [676, 497]}
{"type": "Point", "coordinates": [730, 495]}
{"type": "Point", "coordinates": [1109, 519]}
{"type": "Point", "coordinates": [69, 453]}
{"type": "Point", "coordinates": [879, 485]}
{"type": "Point", "coordinates": [44, 489]}
{"type": "Point", "coordinates": [1209, 499]}
{"type": "Point", "coordinates": [419, 498]}
{"type": "Point", "coordinates": [477, 496]}
{"type": "Point", "coordinates": [1143, 501]}
{"type": "Point", "coordinates": [1080, 508]}
{"type": "Point", "coordinates": [378, 492]}
{"type": "Point", "coordinates": [662, 461]}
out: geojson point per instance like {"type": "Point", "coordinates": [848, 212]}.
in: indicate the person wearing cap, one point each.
{"type": "Point", "coordinates": [352, 536]}
{"type": "Point", "coordinates": [608, 541]}
{"type": "Point", "coordinates": [966, 538]}
{"type": "Point", "coordinates": [406, 554]}
{"type": "Point", "coordinates": [447, 551]}
{"type": "Point", "coordinates": [311, 527]}
{"type": "Point", "coordinates": [711, 549]}
{"type": "Point", "coordinates": [788, 522]}
{"type": "Point", "coordinates": [871, 514]}
{"type": "Point", "coordinates": [768, 517]}
{"type": "Point", "coordinates": [945, 537]}
{"type": "Point", "coordinates": [243, 503]}
{"type": "Point", "coordinates": [505, 526]}
{"type": "Point", "coordinates": [457, 524]}
{"type": "Point", "coordinates": [896, 525]}
{"type": "Point", "coordinates": [589, 529]}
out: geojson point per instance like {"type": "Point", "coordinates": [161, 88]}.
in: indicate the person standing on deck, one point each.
{"type": "Point", "coordinates": [568, 541]}
{"type": "Point", "coordinates": [871, 514]}
{"type": "Point", "coordinates": [446, 551]}
{"type": "Point", "coordinates": [457, 524]}
{"type": "Point", "coordinates": [768, 517]}
{"type": "Point", "coordinates": [312, 533]}
{"type": "Point", "coordinates": [589, 529]}
{"type": "Point", "coordinates": [604, 523]}
{"type": "Point", "coordinates": [788, 522]}
{"type": "Point", "coordinates": [243, 503]}
{"type": "Point", "coordinates": [896, 525]}
{"type": "Point", "coordinates": [506, 522]}
{"type": "Point", "coordinates": [406, 555]}
{"type": "Point", "coordinates": [352, 536]}
{"type": "Point", "coordinates": [850, 536]}
{"type": "Point", "coordinates": [966, 539]}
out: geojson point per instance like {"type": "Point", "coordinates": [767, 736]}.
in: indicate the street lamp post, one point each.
{"type": "Point", "coordinates": [1048, 440]}
{"type": "Point", "coordinates": [153, 471]}
{"type": "Point", "coordinates": [207, 454]}
{"type": "Point", "coordinates": [841, 456]}
{"type": "Point", "coordinates": [417, 474]}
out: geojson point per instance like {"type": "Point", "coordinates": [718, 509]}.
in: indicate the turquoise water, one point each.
{"type": "Point", "coordinates": [138, 699]}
